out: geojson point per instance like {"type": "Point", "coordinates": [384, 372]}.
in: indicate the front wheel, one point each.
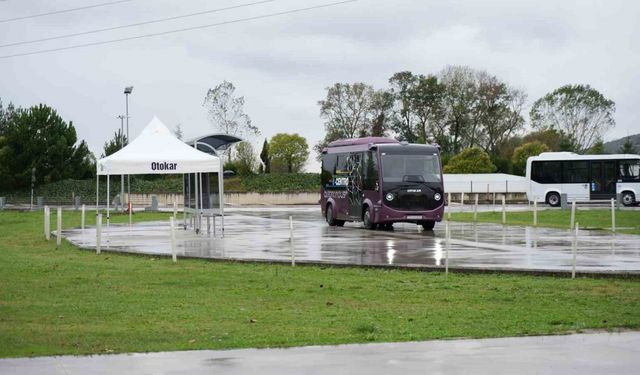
{"type": "Point", "coordinates": [628, 198]}
{"type": "Point", "coordinates": [368, 224]}
{"type": "Point", "coordinates": [330, 219]}
{"type": "Point", "coordinates": [428, 224]}
{"type": "Point", "coordinates": [553, 199]}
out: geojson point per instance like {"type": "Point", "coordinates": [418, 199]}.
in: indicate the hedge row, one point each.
{"type": "Point", "coordinates": [63, 191]}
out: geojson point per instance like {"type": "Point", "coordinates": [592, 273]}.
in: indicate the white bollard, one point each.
{"type": "Point", "coordinates": [461, 200]}
{"type": "Point", "coordinates": [475, 209]}
{"type": "Point", "coordinates": [293, 254]}
{"type": "Point", "coordinates": [613, 215]}
{"type": "Point", "coordinates": [82, 218]}
{"type": "Point", "coordinates": [98, 232]}
{"type": "Point", "coordinates": [449, 206]}
{"type": "Point", "coordinates": [175, 209]}
{"type": "Point", "coordinates": [447, 235]}
{"type": "Point", "coordinates": [535, 213]}
{"type": "Point", "coordinates": [59, 228]}
{"type": "Point", "coordinates": [174, 256]}
{"type": "Point", "coordinates": [47, 223]}
{"type": "Point", "coordinates": [504, 211]}
{"type": "Point", "coordinates": [573, 214]}
{"type": "Point", "coordinates": [574, 250]}
{"type": "Point", "coordinates": [130, 213]}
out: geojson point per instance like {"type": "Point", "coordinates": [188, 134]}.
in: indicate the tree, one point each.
{"type": "Point", "coordinates": [498, 113]}
{"type": "Point", "coordinates": [470, 160]}
{"type": "Point", "coordinates": [402, 84]}
{"type": "Point", "coordinates": [628, 147]}
{"type": "Point", "coordinates": [523, 152]}
{"type": "Point", "coordinates": [597, 148]}
{"type": "Point", "coordinates": [178, 131]}
{"type": "Point", "coordinates": [118, 141]}
{"type": "Point", "coordinates": [346, 111]}
{"type": "Point", "coordinates": [289, 153]}
{"type": "Point", "coordinates": [380, 106]}
{"type": "Point", "coordinates": [245, 160]}
{"type": "Point", "coordinates": [39, 138]}
{"type": "Point", "coordinates": [426, 104]}
{"type": "Point", "coordinates": [458, 105]}
{"type": "Point", "coordinates": [579, 111]}
{"type": "Point", "coordinates": [265, 157]}
{"type": "Point", "coordinates": [226, 112]}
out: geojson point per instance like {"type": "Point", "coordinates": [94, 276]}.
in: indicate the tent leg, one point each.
{"type": "Point", "coordinates": [97, 193]}
{"type": "Point", "coordinates": [201, 204]}
{"type": "Point", "coordinates": [108, 204]}
{"type": "Point", "coordinates": [221, 195]}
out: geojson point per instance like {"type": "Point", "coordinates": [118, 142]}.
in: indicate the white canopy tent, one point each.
{"type": "Point", "coordinates": [156, 151]}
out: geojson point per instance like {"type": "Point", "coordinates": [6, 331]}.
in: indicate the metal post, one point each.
{"type": "Point", "coordinates": [293, 256]}
{"type": "Point", "coordinates": [535, 213]}
{"type": "Point", "coordinates": [47, 223]}
{"type": "Point", "coordinates": [175, 208]}
{"type": "Point", "coordinates": [108, 203]}
{"type": "Point", "coordinates": [126, 95]}
{"type": "Point", "coordinates": [221, 193]}
{"type": "Point", "coordinates": [59, 228]}
{"type": "Point", "coordinates": [33, 182]}
{"type": "Point", "coordinates": [98, 233]}
{"type": "Point", "coordinates": [97, 192]}
{"type": "Point", "coordinates": [504, 211]}
{"type": "Point", "coordinates": [573, 214]}
{"type": "Point", "coordinates": [82, 218]}
{"type": "Point", "coordinates": [461, 200]}
{"type": "Point", "coordinates": [574, 250]}
{"type": "Point", "coordinates": [121, 117]}
{"type": "Point", "coordinates": [447, 235]}
{"type": "Point", "coordinates": [613, 215]}
{"type": "Point", "coordinates": [449, 206]}
{"type": "Point", "coordinates": [475, 209]}
{"type": "Point", "coordinates": [174, 257]}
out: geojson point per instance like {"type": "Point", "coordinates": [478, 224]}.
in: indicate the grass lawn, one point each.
{"type": "Point", "coordinates": [627, 221]}
{"type": "Point", "coordinates": [71, 301]}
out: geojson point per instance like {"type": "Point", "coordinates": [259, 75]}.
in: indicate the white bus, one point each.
{"type": "Point", "coordinates": [583, 177]}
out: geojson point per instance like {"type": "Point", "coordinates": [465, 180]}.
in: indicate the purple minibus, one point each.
{"type": "Point", "coordinates": [381, 181]}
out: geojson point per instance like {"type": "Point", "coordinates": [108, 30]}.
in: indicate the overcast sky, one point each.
{"type": "Point", "coordinates": [282, 65]}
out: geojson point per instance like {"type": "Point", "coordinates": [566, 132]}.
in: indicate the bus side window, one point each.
{"type": "Point", "coordinates": [629, 170]}
{"type": "Point", "coordinates": [546, 172]}
{"type": "Point", "coordinates": [370, 167]}
{"type": "Point", "coordinates": [328, 169]}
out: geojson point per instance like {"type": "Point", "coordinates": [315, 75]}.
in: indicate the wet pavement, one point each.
{"type": "Point", "coordinates": [583, 354]}
{"type": "Point", "coordinates": [263, 234]}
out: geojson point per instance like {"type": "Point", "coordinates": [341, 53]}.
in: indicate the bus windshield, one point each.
{"type": "Point", "coordinates": [410, 168]}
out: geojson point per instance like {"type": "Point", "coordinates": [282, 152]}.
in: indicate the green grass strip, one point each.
{"type": "Point", "coordinates": [71, 301]}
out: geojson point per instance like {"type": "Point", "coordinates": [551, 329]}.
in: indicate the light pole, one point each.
{"type": "Point", "coordinates": [121, 117]}
{"type": "Point", "coordinates": [128, 90]}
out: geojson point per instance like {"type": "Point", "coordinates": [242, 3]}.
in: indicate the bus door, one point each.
{"type": "Point", "coordinates": [603, 179]}
{"type": "Point", "coordinates": [355, 193]}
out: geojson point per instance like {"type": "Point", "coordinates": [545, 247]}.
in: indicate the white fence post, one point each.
{"type": "Point", "coordinates": [573, 214]}
{"type": "Point", "coordinates": [574, 250]}
{"type": "Point", "coordinates": [175, 208]}
{"type": "Point", "coordinates": [449, 206]}
{"type": "Point", "coordinates": [535, 213]}
{"type": "Point", "coordinates": [59, 228]}
{"type": "Point", "coordinates": [475, 209]}
{"type": "Point", "coordinates": [82, 217]}
{"type": "Point", "coordinates": [174, 256]}
{"type": "Point", "coordinates": [293, 255]}
{"type": "Point", "coordinates": [504, 211]}
{"type": "Point", "coordinates": [47, 223]}
{"type": "Point", "coordinates": [98, 233]}
{"type": "Point", "coordinates": [613, 215]}
{"type": "Point", "coordinates": [446, 249]}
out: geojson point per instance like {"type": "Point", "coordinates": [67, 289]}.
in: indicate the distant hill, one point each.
{"type": "Point", "coordinates": [612, 147]}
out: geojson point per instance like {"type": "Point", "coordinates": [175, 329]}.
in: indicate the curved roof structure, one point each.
{"type": "Point", "coordinates": [218, 142]}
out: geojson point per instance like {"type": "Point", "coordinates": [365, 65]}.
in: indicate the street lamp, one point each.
{"type": "Point", "coordinates": [128, 90]}
{"type": "Point", "coordinates": [121, 117]}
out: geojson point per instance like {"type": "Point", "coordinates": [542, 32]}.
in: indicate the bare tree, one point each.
{"type": "Point", "coordinates": [579, 111]}
{"type": "Point", "coordinates": [226, 111]}
{"type": "Point", "coordinates": [346, 110]}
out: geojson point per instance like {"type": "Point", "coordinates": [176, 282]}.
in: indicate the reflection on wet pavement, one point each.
{"type": "Point", "coordinates": [263, 234]}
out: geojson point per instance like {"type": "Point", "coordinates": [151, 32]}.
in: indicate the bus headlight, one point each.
{"type": "Point", "coordinates": [437, 196]}
{"type": "Point", "coordinates": [389, 196]}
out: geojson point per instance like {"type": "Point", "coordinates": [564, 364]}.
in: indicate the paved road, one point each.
{"type": "Point", "coordinates": [263, 234]}
{"type": "Point", "coordinates": [583, 354]}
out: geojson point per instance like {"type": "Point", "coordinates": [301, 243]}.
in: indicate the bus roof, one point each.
{"type": "Point", "coordinates": [361, 141]}
{"type": "Point", "coordinates": [574, 156]}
